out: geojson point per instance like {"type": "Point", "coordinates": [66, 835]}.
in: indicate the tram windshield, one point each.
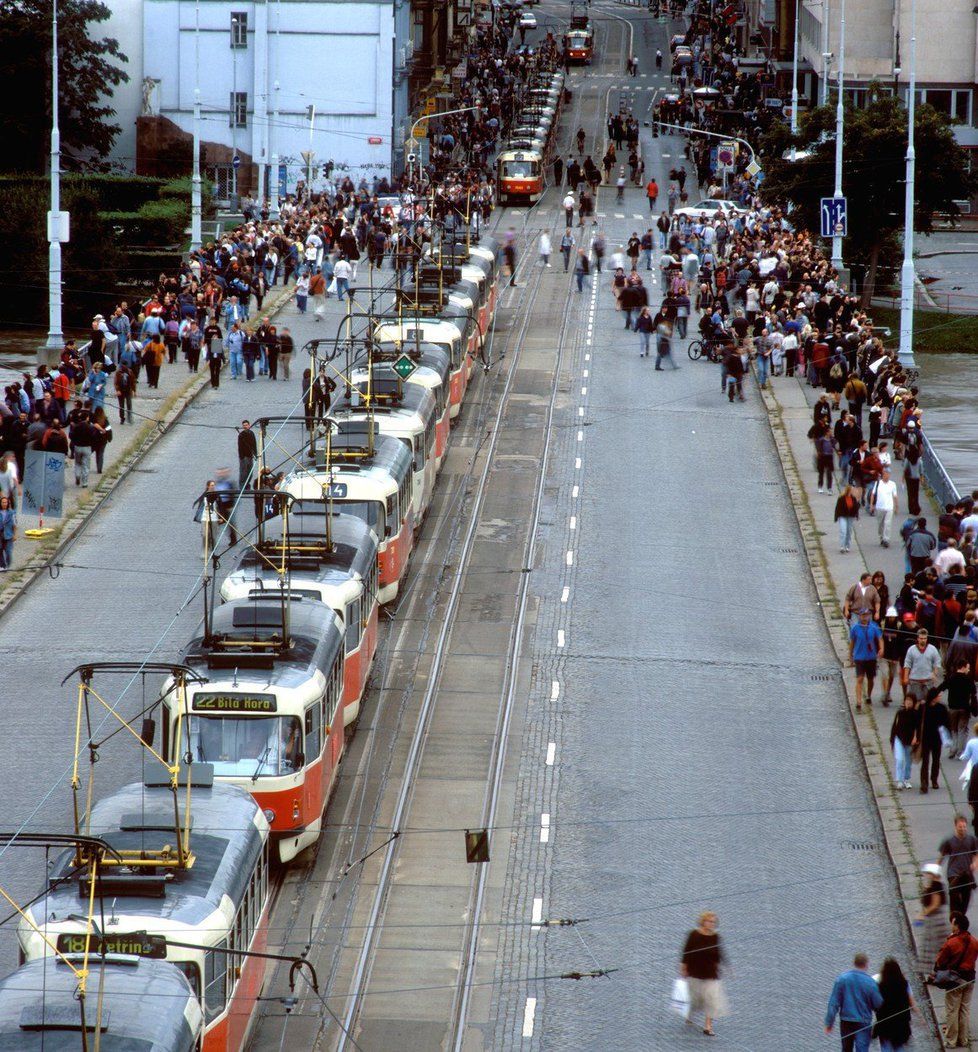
{"type": "Point", "coordinates": [370, 511]}
{"type": "Point", "coordinates": [247, 746]}
{"type": "Point", "coordinates": [519, 169]}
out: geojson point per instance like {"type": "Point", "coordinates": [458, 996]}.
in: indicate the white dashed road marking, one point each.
{"type": "Point", "coordinates": [544, 828]}
{"type": "Point", "coordinates": [530, 1011]}
{"type": "Point", "coordinates": [551, 753]}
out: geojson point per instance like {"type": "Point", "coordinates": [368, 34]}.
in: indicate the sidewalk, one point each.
{"type": "Point", "coordinates": [913, 824]}
{"type": "Point", "coordinates": [154, 412]}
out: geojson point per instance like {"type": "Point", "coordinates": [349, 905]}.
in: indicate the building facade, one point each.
{"type": "Point", "coordinates": [306, 83]}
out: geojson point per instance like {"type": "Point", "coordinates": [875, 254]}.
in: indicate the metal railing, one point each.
{"type": "Point", "coordinates": [936, 475]}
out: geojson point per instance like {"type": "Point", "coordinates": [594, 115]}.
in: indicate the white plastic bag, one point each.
{"type": "Point", "coordinates": [966, 774]}
{"type": "Point", "coordinates": [946, 739]}
{"type": "Point", "coordinates": [679, 999]}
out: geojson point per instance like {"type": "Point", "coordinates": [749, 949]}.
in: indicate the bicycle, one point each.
{"type": "Point", "coordinates": [704, 348]}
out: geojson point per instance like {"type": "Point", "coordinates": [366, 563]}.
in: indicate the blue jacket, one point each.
{"type": "Point", "coordinates": [855, 996]}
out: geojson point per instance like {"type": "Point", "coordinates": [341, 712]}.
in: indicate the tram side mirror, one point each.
{"type": "Point", "coordinates": [148, 732]}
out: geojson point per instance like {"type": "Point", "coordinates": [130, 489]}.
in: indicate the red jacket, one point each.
{"type": "Point", "coordinates": [959, 953]}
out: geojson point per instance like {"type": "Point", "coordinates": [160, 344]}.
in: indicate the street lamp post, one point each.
{"type": "Point", "coordinates": [794, 77]}
{"type": "Point", "coordinates": [57, 220]}
{"type": "Point", "coordinates": [839, 123]}
{"type": "Point", "coordinates": [907, 275]}
{"type": "Point", "coordinates": [196, 239]}
{"type": "Point", "coordinates": [273, 210]}
{"type": "Point", "coordinates": [234, 113]}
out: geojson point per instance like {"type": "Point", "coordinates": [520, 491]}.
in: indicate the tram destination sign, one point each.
{"type": "Point", "coordinates": [235, 703]}
{"type": "Point", "coordinates": [135, 944]}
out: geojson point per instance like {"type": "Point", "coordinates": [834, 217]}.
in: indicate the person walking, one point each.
{"type": "Point", "coordinates": [509, 254]}
{"type": "Point", "coordinates": [969, 754]}
{"type": "Point", "coordinates": [83, 438]}
{"type": "Point", "coordinates": [581, 269]}
{"type": "Point", "coordinates": [846, 515]}
{"type": "Point", "coordinates": [854, 998]}
{"type": "Point", "coordinates": [568, 205]}
{"type": "Point", "coordinates": [566, 247]}
{"type": "Point", "coordinates": [961, 852]}
{"type": "Point", "coordinates": [958, 957]}
{"type": "Point", "coordinates": [247, 454]}
{"type": "Point", "coordinates": [893, 1028]}
{"type": "Point", "coordinates": [302, 293]}
{"type": "Point", "coordinates": [8, 533]}
{"type": "Point", "coordinates": [125, 388]}
{"type": "Point", "coordinates": [921, 667]}
{"type": "Point", "coordinates": [652, 193]}
{"type": "Point", "coordinates": [903, 734]}
{"type": "Point", "coordinates": [316, 286]}
{"type": "Point", "coordinates": [932, 923]}
{"type": "Point", "coordinates": [286, 347]}
{"type": "Point", "coordinates": [620, 183]}
{"type": "Point", "coordinates": [214, 356]}
{"type": "Point", "coordinates": [209, 516]}
{"type": "Point", "coordinates": [545, 248]}
{"type": "Point", "coordinates": [865, 649]}
{"type": "Point", "coordinates": [930, 737]}
{"type": "Point", "coordinates": [885, 504]}
{"type": "Point", "coordinates": [662, 324]}
{"type": "Point", "coordinates": [700, 964]}
{"type": "Point", "coordinates": [644, 328]}
{"type": "Point", "coordinates": [921, 545]}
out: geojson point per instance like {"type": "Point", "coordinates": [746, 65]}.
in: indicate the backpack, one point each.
{"type": "Point", "coordinates": [124, 381]}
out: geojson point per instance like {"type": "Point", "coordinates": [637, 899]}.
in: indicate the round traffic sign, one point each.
{"type": "Point", "coordinates": [235, 161]}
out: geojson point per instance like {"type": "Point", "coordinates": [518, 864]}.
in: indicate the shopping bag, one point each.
{"type": "Point", "coordinates": [679, 999]}
{"type": "Point", "coordinates": [946, 740]}
{"type": "Point", "coordinates": [966, 774]}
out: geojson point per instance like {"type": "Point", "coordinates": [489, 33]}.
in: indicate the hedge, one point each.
{"type": "Point", "coordinates": [123, 193]}
{"type": "Point", "coordinates": [156, 223]}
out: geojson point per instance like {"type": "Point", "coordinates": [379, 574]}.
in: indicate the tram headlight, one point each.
{"type": "Point", "coordinates": [269, 814]}
{"type": "Point", "coordinates": [295, 811]}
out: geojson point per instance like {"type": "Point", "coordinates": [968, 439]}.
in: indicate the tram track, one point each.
{"type": "Point", "coordinates": [446, 555]}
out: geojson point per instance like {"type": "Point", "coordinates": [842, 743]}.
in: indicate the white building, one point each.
{"type": "Point", "coordinates": [125, 24]}
{"type": "Point", "coordinates": [276, 79]}
{"type": "Point", "coordinates": [878, 49]}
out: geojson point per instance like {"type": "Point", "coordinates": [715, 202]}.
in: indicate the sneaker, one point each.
{"type": "Point", "coordinates": [820, 490]}
{"type": "Point", "coordinates": [885, 544]}
{"type": "Point", "coordinates": [907, 785]}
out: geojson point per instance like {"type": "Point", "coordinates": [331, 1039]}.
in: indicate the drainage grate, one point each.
{"type": "Point", "coordinates": [860, 845]}
{"type": "Point", "coordinates": [822, 677]}
{"type": "Point", "coordinates": [772, 483]}
{"type": "Point", "coordinates": [788, 551]}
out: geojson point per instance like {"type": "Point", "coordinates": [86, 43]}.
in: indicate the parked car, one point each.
{"type": "Point", "coordinates": [711, 207]}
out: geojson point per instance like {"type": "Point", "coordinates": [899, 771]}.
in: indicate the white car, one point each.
{"type": "Point", "coordinates": [712, 207]}
{"type": "Point", "coordinates": [528, 20]}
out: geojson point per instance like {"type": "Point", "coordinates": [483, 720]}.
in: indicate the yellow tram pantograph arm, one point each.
{"type": "Point", "coordinates": [149, 748]}
{"type": "Point", "coordinates": [81, 974]}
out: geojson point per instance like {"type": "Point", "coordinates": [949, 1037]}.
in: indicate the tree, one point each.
{"type": "Point", "coordinates": [88, 71]}
{"type": "Point", "coordinates": [873, 176]}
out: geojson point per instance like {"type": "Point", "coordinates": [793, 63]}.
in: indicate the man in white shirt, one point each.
{"type": "Point", "coordinates": [970, 522]}
{"type": "Point", "coordinates": [949, 559]}
{"type": "Point", "coordinates": [885, 505]}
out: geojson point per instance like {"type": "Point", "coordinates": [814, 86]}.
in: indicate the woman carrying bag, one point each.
{"type": "Point", "coordinates": [700, 965]}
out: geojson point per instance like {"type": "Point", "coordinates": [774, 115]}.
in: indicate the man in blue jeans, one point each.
{"type": "Point", "coordinates": [855, 997]}
{"type": "Point", "coordinates": [865, 649]}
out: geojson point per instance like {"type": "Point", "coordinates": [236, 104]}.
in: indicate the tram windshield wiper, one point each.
{"type": "Point", "coordinates": [261, 763]}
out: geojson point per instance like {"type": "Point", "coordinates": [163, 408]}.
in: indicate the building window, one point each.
{"type": "Point", "coordinates": [953, 102]}
{"type": "Point", "coordinates": [239, 29]}
{"type": "Point", "coordinates": [239, 109]}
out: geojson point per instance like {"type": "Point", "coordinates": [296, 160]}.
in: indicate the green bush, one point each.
{"type": "Point", "coordinates": [123, 193]}
{"type": "Point", "coordinates": [156, 223]}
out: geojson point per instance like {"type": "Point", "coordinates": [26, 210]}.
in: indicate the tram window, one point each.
{"type": "Point", "coordinates": [518, 169]}
{"type": "Point", "coordinates": [215, 981]}
{"type": "Point", "coordinates": [370, 511]}
{"type": "Point", "coordinates": [192, 972]}
{"type": "Point", "coordinates": [393, 519]}
{"type": "Point", "coordinates": [240, 942]}
{"type": "Point", "coordinates": [165, 717]}
{"type": "Point", "coordinates": [256, 746]}
{"type": "Point", "coordinates": [314, 731]}
{"type": "Point", "coordinates": [353, 627]}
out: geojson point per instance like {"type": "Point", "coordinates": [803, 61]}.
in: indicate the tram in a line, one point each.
{"type": "Point", "coordinates": [269, 718]}
{"type": "Point", "coordinates": [521, 166]}
{"type": "Point", "coordinates": [220, 901]}
{"type": "Point", "coordinates": [372, 479]}
{"type": "Point", "coordinates": [579, 39]}
{"type": "Point", "coordinates": [133, 1002]}
{"type": "Point", "coordinates": [331, 558]}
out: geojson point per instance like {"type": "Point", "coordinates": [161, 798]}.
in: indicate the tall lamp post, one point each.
{"type": "Point", "coordinates": [839, 122]}
{"type": "Point", "coordinates": [57, 220]}
{"type": "Point", "coordinates": [273, 211]}
{"type": "Point", "coordinates": [196, 238]}
{"type": "Point", "coordinates": [907, 276]}
{"type": "Point", "coordinates": [794, 77]}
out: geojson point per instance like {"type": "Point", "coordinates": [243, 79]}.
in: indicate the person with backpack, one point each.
{"type": "Point", "coordinates": [125, 388]}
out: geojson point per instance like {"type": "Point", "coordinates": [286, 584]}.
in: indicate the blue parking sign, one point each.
{"type": "Point", "coordinates": [835, 217]}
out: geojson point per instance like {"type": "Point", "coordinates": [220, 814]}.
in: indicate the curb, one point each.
{"type": "Point", "coordinates": [172, 409]}
{"type": "Point", "coordinates": [899, 847]}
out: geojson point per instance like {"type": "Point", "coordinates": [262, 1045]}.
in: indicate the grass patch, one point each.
{"type": "Point", "coordinates": [933, 331]}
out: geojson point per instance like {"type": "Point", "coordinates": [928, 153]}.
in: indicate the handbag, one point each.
{"type": "Point", "coordinates": [947, 979]}
{"type": "Point", "coordinates": [679, 998]}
